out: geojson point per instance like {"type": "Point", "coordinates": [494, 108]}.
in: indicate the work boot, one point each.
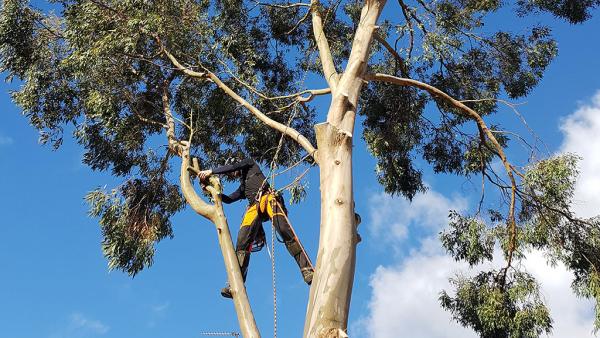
{"type": "Point", "coordinates": [243, 257]}
{"type": "Point", "coordinates": [307, 274]}
{"type": "Point", "coordinates": [301, 259]}
{"type": "Point", "coordinates": [226, 292]}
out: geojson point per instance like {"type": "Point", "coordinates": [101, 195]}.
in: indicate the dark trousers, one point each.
{"type": "Point", "coordinates": [270, 207]}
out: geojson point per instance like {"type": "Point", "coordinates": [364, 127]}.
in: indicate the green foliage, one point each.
{"type": "Point", "coordinates": [392, 143]}
{"type": "Point", "coordinates": [17, 23]}
{"type": "Point", "coordinates": [550, 224]}
{"type": "Point", "coordinates": [549, 185]}
{"type": "Point", "coordinates": [506, 303]}
{"type": "Point", "coordinates": [297, 192]}
{"type": "Point", "coordinates": [512, 310]}
{"type": "Point", "coordinates": [575, 11]}
{"type": "Point", "coordinates": [445, 46]}
{"type": "Point", "coordinates": [133, 223]}
{"type": "Point", "coordinates": [553, 180]}
{"type": "Point", "coordinates": [468, 239]}
{"type": "Point", "coordinates": [98, 68]}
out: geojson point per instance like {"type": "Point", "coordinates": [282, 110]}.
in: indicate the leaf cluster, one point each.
{"type": "Point", "coordinates": [545, 223]}
{"type": "Point", "coordinates": [133, 218]}
{"type": "Point", "coordinates": [513, 310]}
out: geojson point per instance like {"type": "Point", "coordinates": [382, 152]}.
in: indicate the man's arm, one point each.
{"type": "Point", "coordinates": [244, 164]}
{"type": "Point", "coordinates": [234, 196]}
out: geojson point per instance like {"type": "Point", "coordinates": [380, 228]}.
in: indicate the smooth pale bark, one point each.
{"type": "Point", "coordinates": [331, 290]}
{"type": "Point", "coordinates": [234, 275]}
{"type": "Point", "coordinates": [329, 300]}
{"type": "Point", "coordinates": [215, 214]}
{"type": "Point", "coordinates": [329, 71]}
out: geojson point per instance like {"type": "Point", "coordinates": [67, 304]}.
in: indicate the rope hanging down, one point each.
{"type": "Point", "coordinates": [273, 281]}
{"type": "Point", "coordinates": [272, 175]}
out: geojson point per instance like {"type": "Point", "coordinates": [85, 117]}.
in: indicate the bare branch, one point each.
{"type": "Point", "coordinates": [399, 59]}
{"type": "Point", "coordinates": [283, 6]}
{"type": "Point", "coordinates": [149, 121]}
{"type": "Point", "coordinates": [296, 180]}
{"type": "Point", "coordinates": [175, 145]}
{"type": "Point", "coordinates": [426, 7]}
{"type": "Point", "coordinates": [299, 23]}
{"type": "Point", "coordinates": [411, 31]}
{"type": "Point", "coordinates": [513, 107]}
{"type": "Point", "coordinates": [311, 92]}
{"type": "Point", "coordinates": [329, 70]}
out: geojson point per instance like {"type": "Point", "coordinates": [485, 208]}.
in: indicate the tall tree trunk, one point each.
{"type": "Point", "coordinates": [330, 293]}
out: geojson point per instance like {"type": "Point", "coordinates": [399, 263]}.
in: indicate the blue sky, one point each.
{"type": "Point", "coordinates": [55, 282]}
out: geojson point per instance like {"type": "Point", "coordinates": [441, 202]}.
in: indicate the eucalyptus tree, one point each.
{"type": "Point", "coordinates": [155, 90]}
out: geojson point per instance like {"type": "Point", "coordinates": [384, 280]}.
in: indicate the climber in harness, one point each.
{"type": "Point", "coordinates": [264, 204]}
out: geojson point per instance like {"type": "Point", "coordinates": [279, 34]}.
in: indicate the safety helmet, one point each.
{"type": "Point", "coordinates": [232, 160]}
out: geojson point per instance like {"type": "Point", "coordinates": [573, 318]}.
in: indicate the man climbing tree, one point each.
{"type": "Point", "coordinates": [263, 203]}
{"type": "Point", "coordinates": [146, 86]}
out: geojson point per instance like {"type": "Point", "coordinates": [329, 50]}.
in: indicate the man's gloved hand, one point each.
{"type": "Point", "coordinates": [204, 174]}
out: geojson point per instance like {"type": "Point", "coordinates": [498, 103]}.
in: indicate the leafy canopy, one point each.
{"type": "Point", "coordinates": [100, 70]}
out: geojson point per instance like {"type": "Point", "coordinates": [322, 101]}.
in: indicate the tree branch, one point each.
{"type": "Point", "coordinates": [311, 94]}
{"type": "Point", "coordinates": [299, 23]}
{"type": "Point", "coordinates": [283, 6]}
{"type": "Point", "coordinates": [202, 208]}
{"type": "Point", "coordinates": [483, 129]}
{"type": "Point", "coordinates": [175, 145]}
{"type": "Point", "coordinates": [329, 70]}
{"type": "Point", "coordinates": [399, 59]}
{"type": "Point", "coordinates": [290, 132]}
{"type": "Point", "coordinates": [411, 31]}
{"type": "Point", "coordinates": [342, 111]}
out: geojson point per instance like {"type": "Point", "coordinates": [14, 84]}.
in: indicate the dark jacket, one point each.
{"type": "Point", "coordinates": [252, 180]}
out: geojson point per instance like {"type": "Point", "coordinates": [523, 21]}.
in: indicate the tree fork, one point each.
{"type": "Point", "coordinates": [331, 290]}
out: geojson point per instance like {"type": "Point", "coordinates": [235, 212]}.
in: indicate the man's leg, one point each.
{"type": "Point", "coordinates": [250, 225]}
{"type": "Point", "coordinates": [278, 215]}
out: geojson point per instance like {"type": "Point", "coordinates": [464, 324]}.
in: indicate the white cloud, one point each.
{"type": "Point", "coordinates": [581, 132]}
{"type": "Point", "coordinates": [81, 323]}
{"type": "Point", "coordinates": [6, 140]}
{"type": "Point", "coordinates": [573, 317]}
{"type": "Point", "coordinates": [158, 313]}
{"type": "Point", "coordinates": [404, 300]}
{"type": "Point", "coordinates": [404, 297]}
{"type": "Point", "coordinates": [405, 303]}
{"type": "Point", "coordinates": [80, 326]}
{"type": "Point", "coordinates": [160, 308]}
{"type": "Point", "coordinates": [392, 218]}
